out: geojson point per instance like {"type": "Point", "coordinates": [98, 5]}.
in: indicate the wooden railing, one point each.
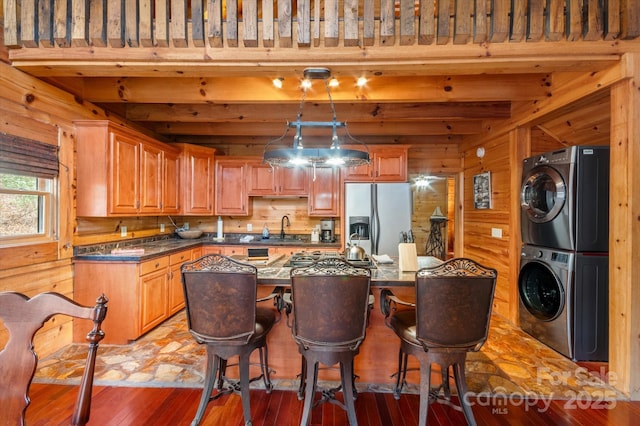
{"type": "Point", "coordinates": [308, 23]}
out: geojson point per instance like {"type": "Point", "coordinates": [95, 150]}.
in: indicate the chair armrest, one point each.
{"type": "Point", "coordinates": [278, 301]}
{"type": "Point", "coordinates": [275, 293]}
{"type": "Point", "coordinates": [389, 302]}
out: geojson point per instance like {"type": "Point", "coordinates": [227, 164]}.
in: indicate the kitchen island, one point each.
{"type": "Point", "coordinates": [143, 284]}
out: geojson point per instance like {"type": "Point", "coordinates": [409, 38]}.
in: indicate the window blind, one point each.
{"type": "Point", "coordinates": [29, 157]}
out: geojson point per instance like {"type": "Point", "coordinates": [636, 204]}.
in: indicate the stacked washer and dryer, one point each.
{"type": "Point", "coordinates": [563, 280]}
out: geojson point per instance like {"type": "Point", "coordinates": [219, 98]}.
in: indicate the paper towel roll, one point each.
{"type": "Point", "coordinates": [220, 234]}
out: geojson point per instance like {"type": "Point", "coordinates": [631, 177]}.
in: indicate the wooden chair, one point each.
{"type": "Point", "coordinates": [23, 317]}
{"type": "Point", "coordinates": [220, 301]}
{"type": "Point", "coordinates": [449, 318]}
{"type": "Point", "coordinates": [330, 302]}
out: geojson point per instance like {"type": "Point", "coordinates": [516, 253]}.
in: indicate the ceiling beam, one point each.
{"type": "Point", "coordinates": [477, 58]}
{"type": "Point", "coordinates": [220, 141]}
{"type": "Point", "coordinates": [229, 113]}
{"type": "Point", "coordinates": [470, 88]}
{"type": "Point", "coordinates": [380, 128]}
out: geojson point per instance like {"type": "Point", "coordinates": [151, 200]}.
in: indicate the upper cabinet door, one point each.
{"type": "Point", "coordinates": [388, 164]}
{"type": "Point", "coordinates": [198, 171]}
{"type": "Point", "coordinates": [262, 179]}
{"type": "Point", "coordinates": [172, 191]}
{"type": "Point", "coordinates": [151, 174]}
{"type": "Point", "coordinates": [124, 171]}
{"type": "Point", "coordinates": [293, 181]}
{"type": "Point", "coordinates": [231, 188]}
{"type": "Point", "coordinates": [324, 192]}
{"type": "Point", "coordinates": [265, 180]}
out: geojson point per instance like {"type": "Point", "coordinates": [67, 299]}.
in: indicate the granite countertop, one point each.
{"type": "Point", "coordinates": [387, 274]}
{"type": "Point", "coordinates": [142, 249]}
{"type": "Point", "coordinates": [381, 275]}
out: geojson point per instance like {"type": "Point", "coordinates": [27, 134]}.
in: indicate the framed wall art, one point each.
{"type": "Point", "coordinates": [482, 190]}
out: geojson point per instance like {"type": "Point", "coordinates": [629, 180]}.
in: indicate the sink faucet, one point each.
{"type": "Point", "coordinates": [284, 219]}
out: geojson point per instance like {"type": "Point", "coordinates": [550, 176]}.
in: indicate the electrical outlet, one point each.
{"type": "Point", "coordinates": [249, 227]}
{"type": "Point", "coordinates": [123, 231]}
{"type": "Point", "coordinates": [162, 227]}
{"type": "Point", "coordinates": [496, 232]}
{"type": "Point", "coordinates": [186, 225]}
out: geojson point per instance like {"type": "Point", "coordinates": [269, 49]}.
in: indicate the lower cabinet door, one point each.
{"type": "Point", "coordinates": [153, 299]}
{"type": "Point", "coordinates": [176, 295]}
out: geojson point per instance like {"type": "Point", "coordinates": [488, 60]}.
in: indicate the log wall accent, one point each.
{"type": "Point", "coordinates": [624, 231]}
{"type": "Point", "coordinates": [33, 109]}
{"type": "Point", "coordinates": [330, 23]}
{"type": "Point", "coordinates": [478, 223]}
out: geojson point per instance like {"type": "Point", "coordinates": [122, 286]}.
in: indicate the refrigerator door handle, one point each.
{"type": "Point", "coordinates": [375, 219]}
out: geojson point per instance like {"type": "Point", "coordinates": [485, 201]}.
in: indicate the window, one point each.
{"type": "Point", "coordinates": [28, 195]}
{"type": "Point", "coordinates": [26, 207]}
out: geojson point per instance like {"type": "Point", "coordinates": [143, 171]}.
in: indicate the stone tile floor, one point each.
{"type": "Point", "coordinates": [510, 363]}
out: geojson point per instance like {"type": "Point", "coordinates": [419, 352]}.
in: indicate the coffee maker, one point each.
{"type": "Point", "coordinates": [327, 231]}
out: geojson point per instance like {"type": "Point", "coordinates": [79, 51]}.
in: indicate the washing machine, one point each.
{"type": "Point", "coordinates": [565, 199]}
{"type": "Point", "coordinates": [564, 301]}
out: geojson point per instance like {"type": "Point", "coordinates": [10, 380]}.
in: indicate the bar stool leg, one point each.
{"type": "Point", "coordinates": [210, 378]}
{"type": "Point", "coordinates": [346, 377]}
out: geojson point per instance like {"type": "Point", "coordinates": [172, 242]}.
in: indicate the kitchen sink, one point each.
{"type": "Point", "coordinates": [277, 239]}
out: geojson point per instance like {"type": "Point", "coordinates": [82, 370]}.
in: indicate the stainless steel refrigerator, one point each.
{"type": "Point", "coordinates": [378, 213]}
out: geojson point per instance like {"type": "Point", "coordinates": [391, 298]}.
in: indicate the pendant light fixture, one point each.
{"type": "Point", "coordinates": [333, 155]}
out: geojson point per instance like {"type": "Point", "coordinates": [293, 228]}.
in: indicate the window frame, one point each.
{"type": "Point", "coordinates": [47, 214]}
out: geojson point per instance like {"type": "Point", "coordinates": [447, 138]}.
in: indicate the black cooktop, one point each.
{"type": "Point", "coordinates": [305, 258]}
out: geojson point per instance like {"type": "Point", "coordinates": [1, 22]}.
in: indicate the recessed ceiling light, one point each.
{"type": "Point", "coordinates": [277, 82]}
{"type": "Point", "coordinates": [362, 81]}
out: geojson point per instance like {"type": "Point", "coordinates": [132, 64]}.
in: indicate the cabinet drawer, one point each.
{"type": "Point", "coordinates": [154, 265]}
{"type": "Point", "coordinates": [181, 257]}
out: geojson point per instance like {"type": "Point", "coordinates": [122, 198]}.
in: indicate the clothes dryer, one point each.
{"type": "Point", "coordinates": [564, 301]}
{"type": "Point", "coordinates": [565, 199]}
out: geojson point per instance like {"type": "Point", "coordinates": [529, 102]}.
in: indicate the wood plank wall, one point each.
{"type": "Point", "coordinates": [307, 23]}
{"type": "Point", "coordinates": [36, 110]}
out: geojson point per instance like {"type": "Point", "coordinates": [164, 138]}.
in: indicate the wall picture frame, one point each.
{"type": "Point", "coordinates": [482, 190]}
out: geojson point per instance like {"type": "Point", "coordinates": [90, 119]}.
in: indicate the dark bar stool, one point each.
{"type": "Point", "coordinates": [330, 302]}
{"type": "Point", "coordinates": [220, 297]}
{"type": "Point", "coordinates": [449, 318]}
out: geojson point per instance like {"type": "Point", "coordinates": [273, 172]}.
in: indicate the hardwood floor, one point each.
{"type": "Point", "coordinates": [53, 404]}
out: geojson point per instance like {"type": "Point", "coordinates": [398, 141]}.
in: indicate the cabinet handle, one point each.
{"type": "Point", "coordinates": [157, 264]}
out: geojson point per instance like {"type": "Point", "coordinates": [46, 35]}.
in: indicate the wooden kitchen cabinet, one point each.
{"type": "Point", "coordinates": [388, 164]}
{"type": "Point", "coordinates": [265, 180]}
{"type": "Point", "coordinates": [153, 293]}
{"type": "Point", "coordinates": [175, 294]}
{"type": "Point", "coordinates": [172, 192]}
{"type": "Point", "coordinates": [151, 177]}
{"type": "Point", "coordinates": [231, 189]}
{"type": "Point", "coordinates": [121, 172]}
{"type": "Point", "coordinates": [141, 294]}
{"type": "Point", "coordinates": [198, 180]}
{"type": "Point", "coordinates": [324, 192]}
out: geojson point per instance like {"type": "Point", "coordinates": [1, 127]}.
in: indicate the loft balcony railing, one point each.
{"type": "Point", "coordinates": [312, 23]}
